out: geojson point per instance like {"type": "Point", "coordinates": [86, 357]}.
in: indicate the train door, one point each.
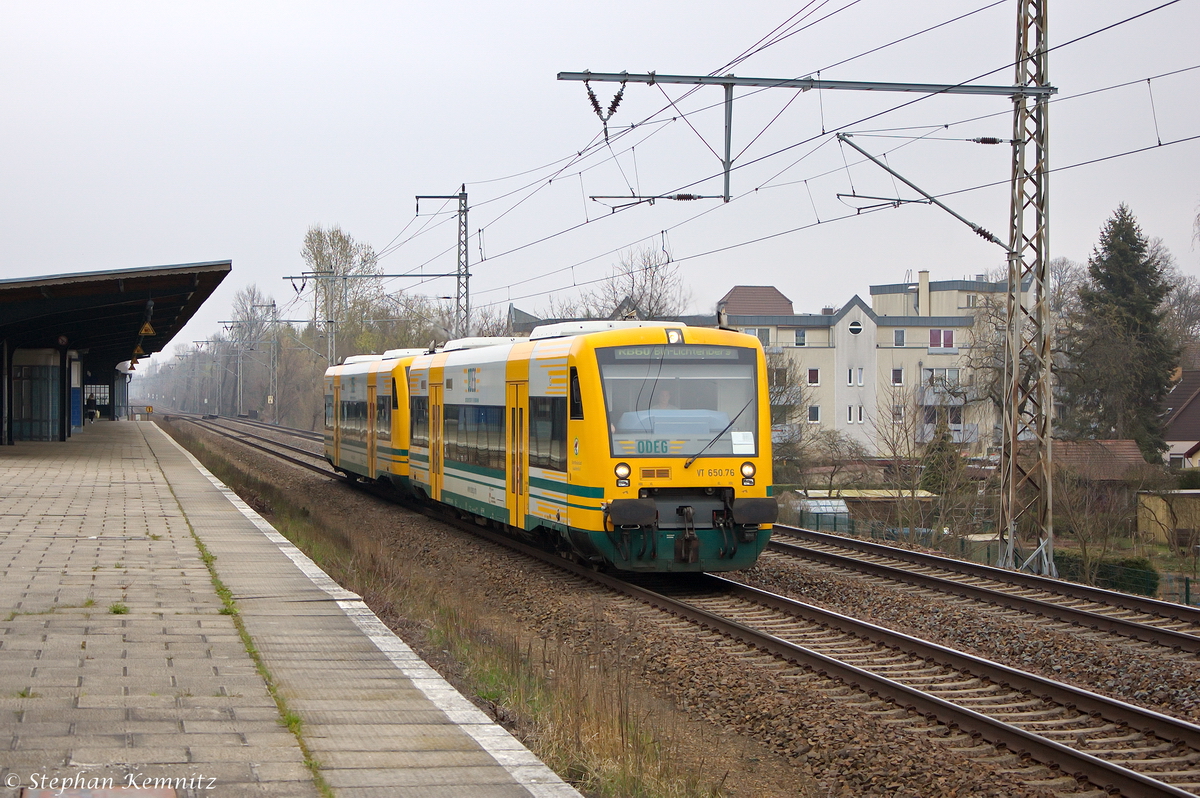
{"type": "Point", "coordinates": [435, 442]}
{"type": "Point", "coordinates": [518, 458]}
{"type": "Point", "coordinates": [371, 436]}
{"type": "Point", "coordinates": [336, 410]}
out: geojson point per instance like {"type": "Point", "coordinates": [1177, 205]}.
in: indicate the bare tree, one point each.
{"type": "Point", "coordinates": [342, 295]}
{"type": "Point", "coordinates": [645, 283]}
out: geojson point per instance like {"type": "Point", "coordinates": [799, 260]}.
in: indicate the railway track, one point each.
{"type": "Point", "coordinates": [313, 461]}
{"type": "Point", "coordinates": [1085, 740]}
{"type": "Point", "coordinates": [1076, 734]}
{"type": "Point", "coordinates": [1160, 623]}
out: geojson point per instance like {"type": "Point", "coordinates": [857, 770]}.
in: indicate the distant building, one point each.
{"type": "Point", "coordinates": [879, 373]}
{"type": "Point", "coordinates": [884, 373]}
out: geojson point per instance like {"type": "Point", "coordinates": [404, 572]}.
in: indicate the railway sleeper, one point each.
{"type": "Point", "coordinates": [1005, 702]}
{"type": "Point", "coordinates": [1034, 717]}
{"type": "Point", "coordinates": [1148, 765]}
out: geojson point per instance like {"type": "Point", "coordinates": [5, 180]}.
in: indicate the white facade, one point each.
{"type": "Point", "coordinates": [899, 364]}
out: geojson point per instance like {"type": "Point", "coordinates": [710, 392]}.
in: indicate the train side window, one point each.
{"type": "Point", "coordinates": [576, 396]}
{"type": "Point", "coordinates": [548, 432]}
{"type": "Point", "coordinates": [419, 421]}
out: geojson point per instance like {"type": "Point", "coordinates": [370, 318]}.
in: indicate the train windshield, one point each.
{"type": "Point", "coordinates": [674, 400]}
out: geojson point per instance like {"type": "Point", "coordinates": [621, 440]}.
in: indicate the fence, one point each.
{"type": "Point", "coordinates": [1112, 576]}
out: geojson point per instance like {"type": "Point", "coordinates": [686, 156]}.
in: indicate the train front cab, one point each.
{"type": "Point", "coordinates": [669, 449]}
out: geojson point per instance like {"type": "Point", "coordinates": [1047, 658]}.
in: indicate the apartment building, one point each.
{"type": "Point", "coordinates": [882, 372]}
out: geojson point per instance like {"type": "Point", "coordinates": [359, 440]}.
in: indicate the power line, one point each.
{"type": "Point", "coordinates": [843, 127]}
{"type": "Point", "coordinates": [801, 228]}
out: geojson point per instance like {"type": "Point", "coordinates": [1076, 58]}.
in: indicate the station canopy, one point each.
{"type": "Point", "coordinates": [106, 316]}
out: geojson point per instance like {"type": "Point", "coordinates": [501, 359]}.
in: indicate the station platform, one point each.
{"type": "Point", "coordinates": [119, 669]}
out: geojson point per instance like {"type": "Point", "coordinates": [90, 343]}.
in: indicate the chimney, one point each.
{"type": "Point", "coordinates": [827, 311]}
{"type": "Point", "coordinates": [923, 293]}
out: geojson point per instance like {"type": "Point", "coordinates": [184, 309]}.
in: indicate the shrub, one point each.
{"type": "Point", "coordinates": [1129, 574]}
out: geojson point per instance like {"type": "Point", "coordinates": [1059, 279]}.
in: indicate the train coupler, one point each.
{"type": "Point", "coordinates": [687, 544]}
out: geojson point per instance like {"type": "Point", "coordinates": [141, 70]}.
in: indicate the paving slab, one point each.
{"type": "Point", "coordinates": [115, 659]}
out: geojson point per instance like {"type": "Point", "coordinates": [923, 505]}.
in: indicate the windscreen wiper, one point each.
{"type": "Point", "coordinates": [692, 459]}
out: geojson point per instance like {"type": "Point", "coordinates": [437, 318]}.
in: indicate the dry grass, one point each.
{"type": "Point", "coordinates": [579, 714]}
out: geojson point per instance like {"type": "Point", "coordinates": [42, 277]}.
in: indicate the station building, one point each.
{"type": "Point", "coordinates": [67, 337]}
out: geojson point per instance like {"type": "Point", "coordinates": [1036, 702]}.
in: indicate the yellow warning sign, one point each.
{"type": "Point", "coordinates": [139, 350]}
{"type": "Point", "coordinates": [146, 329]}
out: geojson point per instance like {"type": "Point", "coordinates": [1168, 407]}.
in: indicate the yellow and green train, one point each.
{"type": "Point", "coordinates": [639, 446]}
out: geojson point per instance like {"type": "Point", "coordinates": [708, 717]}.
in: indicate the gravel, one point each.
{"type": "Point", "coordinates": [773, 730]}
{"type": "Point", "coordinates": [1139, 673]}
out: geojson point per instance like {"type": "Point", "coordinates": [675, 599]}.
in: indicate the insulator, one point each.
{"type": "Point", "coordinates": [685, 196]}
{"type": "Point", "coordinates": [988, 140]}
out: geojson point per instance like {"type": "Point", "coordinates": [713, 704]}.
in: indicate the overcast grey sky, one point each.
{"type": "Point", "coordinates": [141, 134]}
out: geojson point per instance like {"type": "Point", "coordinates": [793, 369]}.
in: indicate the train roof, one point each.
{"type": "Point", "coordinates": [393, 354]}
{"type": "Point", "coordinates": [478, 342]}
{"type": "Point", "coordinates": [566, 328]}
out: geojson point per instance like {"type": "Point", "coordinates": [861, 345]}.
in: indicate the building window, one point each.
{"type": "Point", "coordinates": [860, 376]}
{"type": "Point", "coordinates": [814, 376]}
{"type": "Point", "coordinates": [850, 376]}
{"type": "Point", "coordinates": [799, 337]}
{"type": "Point", "coordinates": [971, 300]}
{"type": "Point", "coordinates": [1176, 461]}
{"type": "Point", "coordinates": [860, 414]}
{"type": "Point", "coordinates": [777, 378]}
{"type": "Point", "coordinates": [952, 415]}
{"type": "Point", "coordinates": [814, 414]}
{"type": "Point", "coordinates": [762, 333]}
{"type": "Point", "coordinates": [855, 327]}
{"type": "Point", "coordinates": [898, 337]}
{"type": "Point", "coordinates": [897, 376]}
{"type": "Point", "coordinates": [849, 414]}
{"type": "Point", "coordinates": [945, 378]}
{"type": "Point", "coordinates": [897, 414]}
{"type": "Point", "coordinates": [941, 339]}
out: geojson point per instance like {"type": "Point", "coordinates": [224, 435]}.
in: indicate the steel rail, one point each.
{"type": "Point", "coordinates": [307, 434]}
{"type": "Point", "coordinates": [1112, 709]}
{"type": "Point", "coordinates": [1157, 607]}
{"type": "Point", "coordinates": [1180, 641]}
{"type": "Point", "coordinates": [242, 440]}
{"type": "Point", "coordinates": [1100, 772]}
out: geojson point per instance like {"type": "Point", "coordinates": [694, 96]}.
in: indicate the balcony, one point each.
{"type": "Point", "coordinates": [959, 433]}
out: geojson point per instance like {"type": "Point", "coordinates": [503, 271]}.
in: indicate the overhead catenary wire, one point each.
{"type": "Point", "coordinates": [571, 228]}
{"type": "Point", "coordinates": [788, 27]}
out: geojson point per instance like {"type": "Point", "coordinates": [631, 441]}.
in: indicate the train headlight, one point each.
{"type": "Point", "coordinates": [622, 470]}
{"type": "Point", "coordinates": [748, 469]}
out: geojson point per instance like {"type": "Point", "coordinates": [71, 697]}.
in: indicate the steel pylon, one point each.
{"type": "Point", "coordinates": [1026, 465]}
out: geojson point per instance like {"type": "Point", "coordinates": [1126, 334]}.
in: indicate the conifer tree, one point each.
{"type": "Point", "coordinates": [1118, 358]}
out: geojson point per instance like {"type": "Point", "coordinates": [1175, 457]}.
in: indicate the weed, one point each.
{"type": "Point", "coordinates": [117, 608]}
{"type": "Point", "coordinates": [28, 693]}
{"type": "Point", "coordinates": [578, 714]}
